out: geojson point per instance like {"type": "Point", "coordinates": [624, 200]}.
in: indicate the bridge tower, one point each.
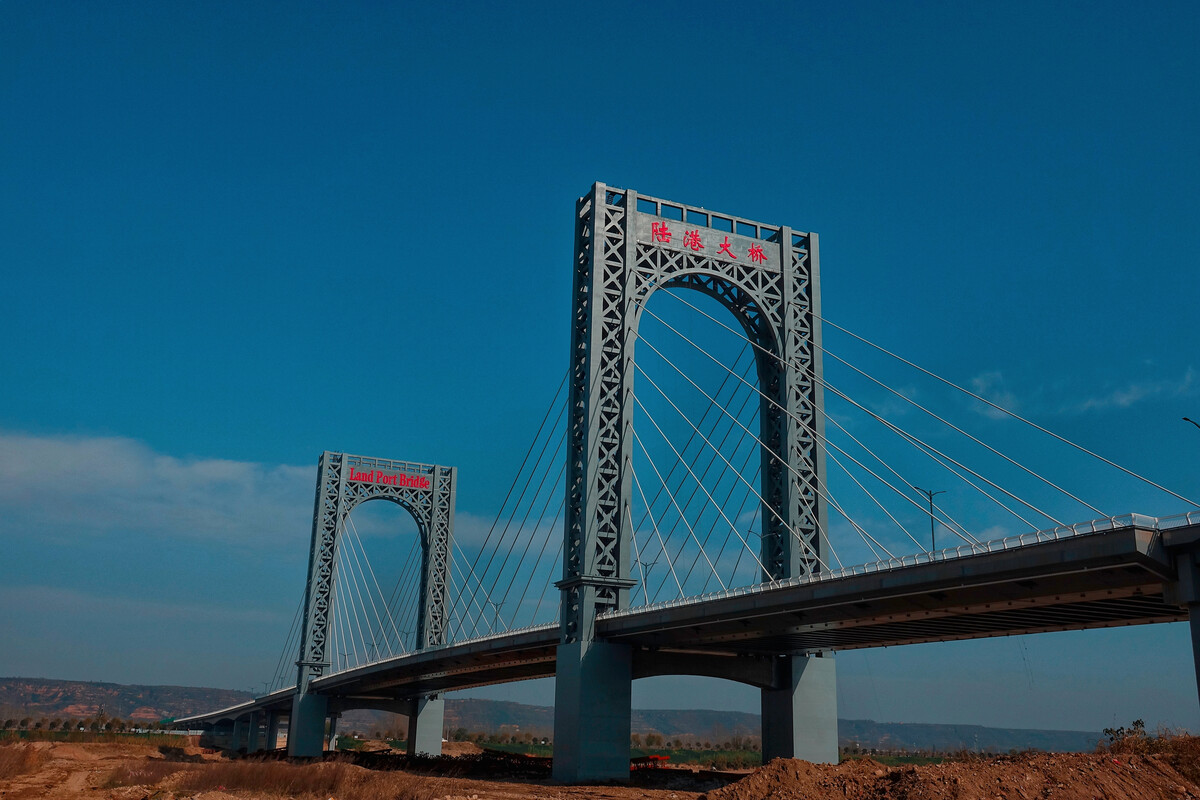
{"type": "Point", "coordinates": [767, 276]}
{"type": "Point", "coordinates": [343, 482]}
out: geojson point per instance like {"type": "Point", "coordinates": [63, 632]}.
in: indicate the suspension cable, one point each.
{"type": "Point", "coordinates": [786, 527]}
{"type": "Point", "coordinates": [957, 429]}
{"type": "Point", "coordinates": [654, 526]}
{"type": "Point", "coordinates": [520, 470]}
{"type": "Point", "coordinates": [374, 609]}
{"type": "Point", "coordinates": [907, 436]}
{"type": "Point", "coordinates": [1005, 411]}
{"type": "Point", "coordinates": [695, 433]}
{"type": "Point", "coordinates": [719, 510]}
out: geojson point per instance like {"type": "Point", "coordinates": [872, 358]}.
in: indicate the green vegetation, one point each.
{"type": "Point", "coordinates": [714, 758]}
{"type": "Point", "coordinates": [154, 739]}
{"type": "Point", "coordinates": [520, 748]}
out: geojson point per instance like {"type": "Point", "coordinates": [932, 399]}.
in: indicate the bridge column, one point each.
{"type": "Point", "coordinates": [1186, 592]}
{"type": "Point", "coordinates": [238, 738]}
{"type": "Point", "coordinates": [426, 717]}
{"type": "Point", "coordinates": [208, 735]}
{"type": "Point", "coordinates": [273, 729]}
{"type": "Point", "coordinates": [306, 725]}
{"type": "Point", "coordinates": [254, 732]}
{"type": "Point", "coordinates": [799, 718]}
{"type": "Point", "coordinates": [331, 745]}
{"type": "Point", "coordinates": [592, 707]}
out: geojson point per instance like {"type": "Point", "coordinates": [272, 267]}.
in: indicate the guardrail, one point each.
{"type": "Point", "coordinates": [948, 554]}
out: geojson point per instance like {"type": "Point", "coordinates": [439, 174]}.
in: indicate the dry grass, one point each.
{"type": "Point", "coordinates": [18, 759]}
{"type": "Point", "coordinates": [143, 772]}
{"type": "Point", "coordinates": [1181, 750]}
{"type": "Point", "coordinates": [327, 779]}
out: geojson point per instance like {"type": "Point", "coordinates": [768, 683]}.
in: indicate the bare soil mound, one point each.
{"type": "Point", "coordinates": [1027, 777]}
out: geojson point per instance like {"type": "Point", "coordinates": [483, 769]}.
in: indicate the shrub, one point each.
{"type": "Point", "coordinates": [1182, 750]}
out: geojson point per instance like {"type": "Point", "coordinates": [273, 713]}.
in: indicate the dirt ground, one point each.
{"type": "Point", "coordinates": [86, 771]}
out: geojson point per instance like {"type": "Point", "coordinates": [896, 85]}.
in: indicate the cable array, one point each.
{"type": "Point", "coordinates": [697, 510]}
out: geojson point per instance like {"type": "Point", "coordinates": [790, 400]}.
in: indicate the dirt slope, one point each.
{"type": "Point", "coordinates": [1076, 776]}
{"type": "Point", "coordinates": [83, 770]}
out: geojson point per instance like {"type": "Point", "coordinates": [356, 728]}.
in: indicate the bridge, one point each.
{"type": "Point", "coordinates": [781, 609]}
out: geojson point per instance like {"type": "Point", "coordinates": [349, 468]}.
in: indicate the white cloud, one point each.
{"type": "Point", "coordinates": [56, 601]}
{"type": "Point", "coordinates": [98, 485]}
{"type": "Point", "coordinates": [1130, 394]}
{"type": "Point", "coordinates": [992, 387]}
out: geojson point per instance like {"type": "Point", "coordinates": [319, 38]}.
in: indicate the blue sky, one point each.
{"type": "Point", "coordinates": [233, 237]}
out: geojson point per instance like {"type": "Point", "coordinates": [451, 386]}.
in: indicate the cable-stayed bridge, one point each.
{"type": "Point", "coordinates": [738, 515]}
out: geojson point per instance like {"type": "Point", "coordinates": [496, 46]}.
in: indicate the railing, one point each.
{"type": "Point", "coordinates": [885, 565]}
{"type": "Point", "coordinates": [948, 554]}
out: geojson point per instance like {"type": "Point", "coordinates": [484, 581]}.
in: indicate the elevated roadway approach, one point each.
{"type": "Point", "coordinates": [1124, 571]}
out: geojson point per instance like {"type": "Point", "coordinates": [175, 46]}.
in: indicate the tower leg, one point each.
{"type": "Point", "coordinates": [1194, 627]}
{"type": "Point", "coordinates": [237, 741]}
{"type": "Point", "coordinates": [333, 721]}
{"type": "Point", "coordinates": [799, 719]}
{"type": "Point", "coordinates": [425, 720]}
{"type": "Point", "coordinates": [306, 726]}
{"type": "Point", "coordinates": [272, 730]}
{"type": "Point", "coordinates": [254, 733]}
{"type": "Point", "coordinates": [592, 703]}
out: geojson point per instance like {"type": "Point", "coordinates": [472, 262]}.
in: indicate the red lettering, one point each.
{"type": "Point", "coordinates": [660, 232]}
{"type": "Point", "coordinates": [756, 254]}
{"type": "Point", "coordinates": [725, 248]}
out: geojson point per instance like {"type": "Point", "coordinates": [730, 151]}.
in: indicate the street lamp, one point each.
{"type": "Point", "coordinates": [1197, 424]}
{"type": "Point", "coordinates": [930, 494]}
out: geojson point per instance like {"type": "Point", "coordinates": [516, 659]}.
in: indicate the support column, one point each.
{"type": "Point", "coordinates": [238, 739]}
{"type": "Point", "coordinates": [254, 733]}
{"type": "Point", "coordinates": [799, 718]}
{"type": "Point", "coordinates": [333, 721]}
{"type": "Point", "coordinates": [592, 707]}
{"type": "Point", "coordinates": [426, 716]}
{"type": "Point", "coordinates": [1186, 592]}
{"type": "Point", "coordinates": [208, 736]}
{"type": "Point", "coordinates": [273, 730]}
{"type": "Point", "coordinates": [306, 725]}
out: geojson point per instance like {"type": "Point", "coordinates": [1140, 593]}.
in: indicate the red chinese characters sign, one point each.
{"type": "Point", "coordinates": [705, 241]}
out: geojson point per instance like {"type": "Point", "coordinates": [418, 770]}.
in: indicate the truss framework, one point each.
{"type": "Point", "coordinates": [626, 247]}
{"type": "Point", "coordinates": [344, 481]}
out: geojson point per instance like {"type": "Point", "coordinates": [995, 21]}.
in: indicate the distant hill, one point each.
{"type": "Point", "coordinates": [40, 697]}
{"type": "Point", "coordinates": [949, 738]}
{"type": "Point", "coordinates": [43, 697]}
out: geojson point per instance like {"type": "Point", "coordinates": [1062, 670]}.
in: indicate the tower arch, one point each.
{"type": "Point", "coordinates": [344, 482]}
{"type": "Point", "coordinates": [627, 247]}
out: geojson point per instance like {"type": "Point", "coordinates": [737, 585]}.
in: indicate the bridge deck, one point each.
{"type": "Point", "coordinates": [1102, 579]}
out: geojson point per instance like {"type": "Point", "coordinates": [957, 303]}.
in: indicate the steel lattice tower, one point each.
{"type": "Point", "coordinates": [426, 491]}
{"type": "Point", "coordinates": [767, 276]}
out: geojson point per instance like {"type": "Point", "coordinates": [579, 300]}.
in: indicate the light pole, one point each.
{"type": "Point", "coordinates": [1197, 424]}
{"type": "Point", "coordinates": [930, 494]}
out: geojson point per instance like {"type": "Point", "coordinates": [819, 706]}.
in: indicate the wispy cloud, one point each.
{"type": "Point", "coordinates": [57, 601]}
{"type": "Point", "coordinates": [79, 485]}
{"type": "Point", "coordinates": [992, 386]}
{"type": "Point", "coordinates": [1133, 393]}
{"type": "Point", "coordinates": [97, 485]}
